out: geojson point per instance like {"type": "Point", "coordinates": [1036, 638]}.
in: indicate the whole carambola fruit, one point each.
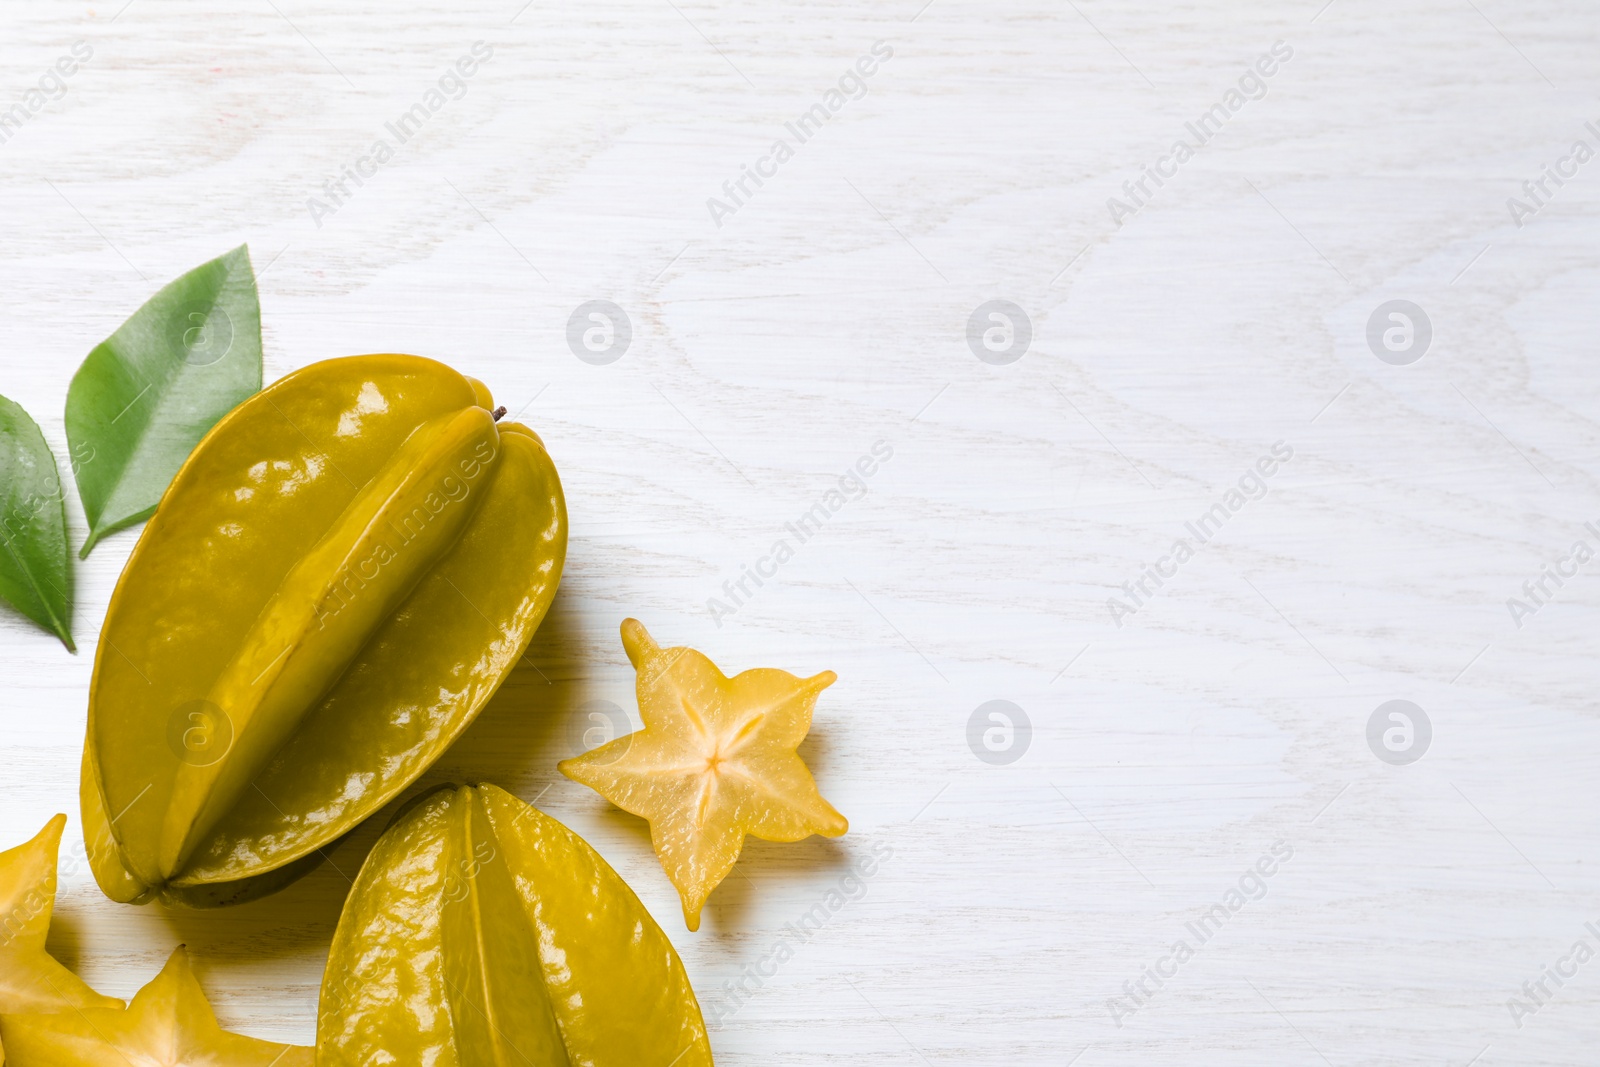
{"type": "Point", "coordinates": [342, 573]}
{"type": "Point", "coordinates": [483, 933]}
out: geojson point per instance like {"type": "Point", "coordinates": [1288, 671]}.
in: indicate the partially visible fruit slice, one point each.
{"type": "Point", "coordinates": [169, 1024]}
{"type": "Point", "coordinates": [482, 933]}
{"type": "Point", "coordinates": [30, 978]}
{"type": "Point", "coordinates": [715, 761]}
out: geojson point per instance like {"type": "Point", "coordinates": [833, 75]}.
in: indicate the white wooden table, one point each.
{"type": "Point", "coordinates": [1174, 340]}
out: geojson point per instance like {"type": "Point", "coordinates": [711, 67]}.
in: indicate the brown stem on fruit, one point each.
{"type": "Point", "coordinates": [499, 413]}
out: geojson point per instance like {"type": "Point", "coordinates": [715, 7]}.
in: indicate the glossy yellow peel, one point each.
{"type": "Point", "coordinates": [715, 761]}
{"type": "Point", "coordinates": [169, 1024]}
{"type": "Point", "coordinates": [30, 978]}
{"type": "Point", "coordinates": [308, 632]}
{"type": "Point", "coordinates": [341, 575]}
{"type": "Point", "coordinates": [482, 933]}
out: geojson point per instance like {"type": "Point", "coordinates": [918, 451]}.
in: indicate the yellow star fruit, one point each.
{"type": "Point", "coordinates": [30, 978]}
{"type": "Point", "coordinates": [169, 1024]}
{"type": "Point", "coordinates": [715, 761]}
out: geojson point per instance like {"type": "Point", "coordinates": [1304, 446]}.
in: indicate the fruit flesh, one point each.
{"type": "Point", "coordinates": [274, 511]}
{"type": "Point", "coordinates": [715, 761]}
{"type": "Point", "coordinates": [481, 932]}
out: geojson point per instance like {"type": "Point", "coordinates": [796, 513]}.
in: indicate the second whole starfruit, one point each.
{"type": "Point", "coordinates": [340, 576]}
{"type": "Point", "coordinates": [483, 933]}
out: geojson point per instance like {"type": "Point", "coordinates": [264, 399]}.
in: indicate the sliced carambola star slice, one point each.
{"type": "Point", "coordinates": [715, 761]}
{"type": "Point", "coordinates": [30, 979]}
{"type": "Point", "coordinates": [169, 1024]}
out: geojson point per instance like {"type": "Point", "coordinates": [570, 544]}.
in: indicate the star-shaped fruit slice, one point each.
{"type": "Point", "coordinates": [30, 978]}
{"type": "Point", "coordinates": [715, 761]}
{"type": "Point", "coordinates": [169, 1024]}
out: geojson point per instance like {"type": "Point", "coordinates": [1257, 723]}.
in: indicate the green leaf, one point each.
{"type": "Point", "coordinates": [35, 565]}
{"type": "Point", "coordinates": [147, 394]}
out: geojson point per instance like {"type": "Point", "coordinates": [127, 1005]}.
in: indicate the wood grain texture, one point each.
{"type": "Point", "coordinates": [829, 312]}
